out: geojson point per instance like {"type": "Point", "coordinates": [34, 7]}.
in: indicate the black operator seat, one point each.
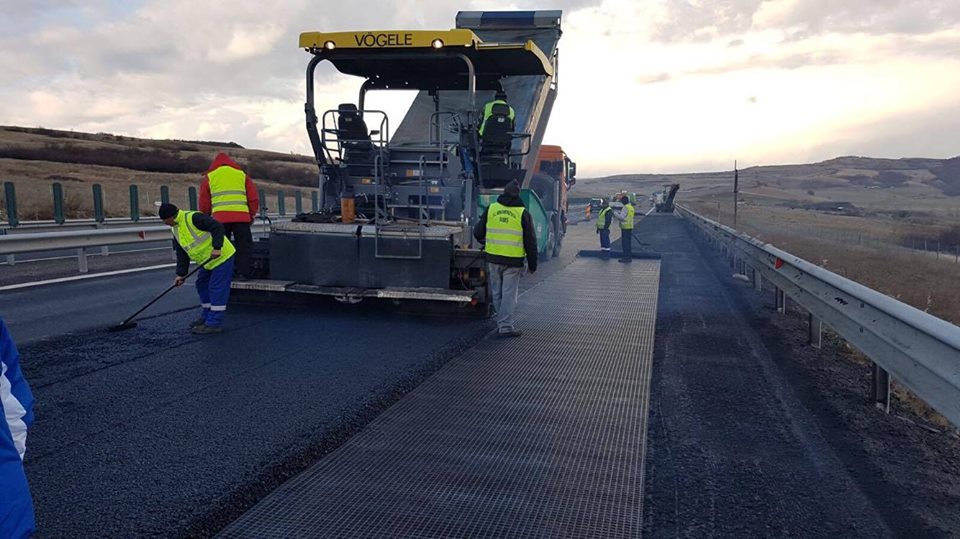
{"type": "Point", "coordinates": [353, 133]}
{"type": "Point", "coordinates": [497, 139]}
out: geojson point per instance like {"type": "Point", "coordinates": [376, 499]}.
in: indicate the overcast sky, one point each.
{"type": "Point", "coordinates": [645, 86]}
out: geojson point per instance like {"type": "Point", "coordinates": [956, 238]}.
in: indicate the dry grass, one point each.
{"type": "Point", "coordinates": [912, 277]}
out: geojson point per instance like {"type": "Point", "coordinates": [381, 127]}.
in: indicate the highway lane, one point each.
{"type": "Point", "coordinates": [47, 311]}
{"type": "Point", "coordinates": [156, 431]}
{"type": "Point", "coordinates": [151, 430]}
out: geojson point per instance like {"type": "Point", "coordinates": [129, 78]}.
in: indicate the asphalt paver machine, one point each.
{"type": "Point", "coordinates": [398, 204]}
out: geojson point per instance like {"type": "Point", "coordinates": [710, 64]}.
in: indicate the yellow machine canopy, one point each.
{"type": "Point", "coordinates": [425, 60]}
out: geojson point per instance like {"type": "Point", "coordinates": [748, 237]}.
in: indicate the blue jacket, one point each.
{"type": "Point", "coordinates": [16, 415]}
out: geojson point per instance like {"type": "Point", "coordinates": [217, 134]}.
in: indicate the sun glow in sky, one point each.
{"type": "Point", "coordinates": [645, 86]}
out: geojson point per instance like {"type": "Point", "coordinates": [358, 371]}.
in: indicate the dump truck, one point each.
{"type": "Point", "coordinates": [399, 200]}
{"type": "Point", "coordinates": [555, 174]}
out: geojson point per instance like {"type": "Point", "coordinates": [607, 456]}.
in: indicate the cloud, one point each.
{"type": "Point", "coordinates": [691, 81]}
{"type": "Point", "coordinates": [705, 20]}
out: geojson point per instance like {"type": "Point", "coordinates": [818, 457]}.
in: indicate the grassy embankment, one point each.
{"type": "Point", "coordinates": [33, 159]}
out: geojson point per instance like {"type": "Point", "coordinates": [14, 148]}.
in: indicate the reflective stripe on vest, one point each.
{"type": "Point", "coordinates": [505, 231]}
{"type": "Point", "coordinates": [627, 224]}
{"type": "Point", "coordinates": [228, 190]}
{"type": "Point", "coordinates": [197, 243]}
{"type": "Point", "coordinates": [602, 218]}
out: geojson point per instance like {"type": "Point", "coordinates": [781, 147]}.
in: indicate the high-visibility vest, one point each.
{"type": "Point", "coordinates": [602, 218]}
{"type": "Point", "coordinates": [505, 231]}
{"type": "Point", "coordinates": [199, 243]}
{"type": "Point", "coordinates": [488, 112]}
{"type": "Point", "coordinates": [228, 190]}
{"type": "Point", "coordinates": [627, 224]}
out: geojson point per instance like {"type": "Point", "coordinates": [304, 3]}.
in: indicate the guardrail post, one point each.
{"type": "Point", "coordinates": [298, 201]}
{"type": "Point", "coordinates": [263, 202]}
{"type": "Point", "coordinates": [10, 195]}
{"type": "Point", "coordinates": [192, 198]}
{"type": "Point", "coordinates": [105, 250]}
{"type": "Point", "coordinates": [815, 331]}
{"type": "Point", "coordinates": [98, 214]}
{"type": "Point", "coordinates": [58, 203]}
{"type": "Point", "coordinates": [781, 300]}
{"type": "Point", "coordinates": [281, 203]}
{"type": "Point", "coordinates": [164, 194]}
{"type": "Point", "coordinates": [315, 201]}
{"type": "Point", "coordinates": [11, 259]}
{"type": "Point", "coordinates": [82, 259]}
{"type": "Point", "coordinates": [134, 203]}
{"type": "Point", "coordinates": [881, 388]}
{"type": "Point", "coordinates": [757, 280]}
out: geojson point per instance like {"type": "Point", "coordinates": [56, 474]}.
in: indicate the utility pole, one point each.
{"type": "Point", "coordinates": [736, 190]}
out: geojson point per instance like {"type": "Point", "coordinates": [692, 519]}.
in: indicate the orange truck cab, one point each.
{"type": "Point", "coordinates": [553, 162]}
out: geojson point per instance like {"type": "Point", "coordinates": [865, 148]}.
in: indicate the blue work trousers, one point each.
{"type": "Point", "coordinates": [214, 289]}
{"type": "Point", "coordinates": [604, 239]}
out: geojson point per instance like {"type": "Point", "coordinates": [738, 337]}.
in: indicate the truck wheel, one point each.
{"type": "Point", "coordinates": [551, 242]}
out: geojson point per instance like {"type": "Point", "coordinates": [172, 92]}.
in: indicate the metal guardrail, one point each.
{"type": "Point", "coordinates": [917, 349]}
{"type": "Point", "coordinates": [77, 239]}
{"type": "Point", "coordinates": [40, 239]}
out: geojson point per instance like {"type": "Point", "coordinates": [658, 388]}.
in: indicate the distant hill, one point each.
{"type": "Point", "coordinates": [839, 174]}
{"type": "Point", "coordinates": [39, 145]}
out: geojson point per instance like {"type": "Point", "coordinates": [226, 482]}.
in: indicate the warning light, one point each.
{"type": "Point", "coordinates": [329, 45]}
{"type": "Point", "coordinates": [437, 44]}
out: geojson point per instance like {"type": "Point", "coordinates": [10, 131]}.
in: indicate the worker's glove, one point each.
{"type": "Point", "coordinates": [215, 253]}
{"type": "Point", "coordinates": [179, 280]}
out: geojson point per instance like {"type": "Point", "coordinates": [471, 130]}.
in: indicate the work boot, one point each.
{"type": "Point", "coordinates": [198, 322]}
{"type": "Point", "coordinates": [509, 334]}
{"type": "Point", "coordinates": [206, 330]}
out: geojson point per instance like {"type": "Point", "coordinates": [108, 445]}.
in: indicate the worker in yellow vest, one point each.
{"type": "Point", "coordinates": [229, 196]}
{"type": "Point", "coordinates": [488, 109]}
{"type": "Point", "coordinates": [626, 218]}
{"type": "Point", "coordinates": [507, 232]}
{"type": "Point", "coordinates": [200, 238]}
{"type": "Point", "coordinates": [604, 219]}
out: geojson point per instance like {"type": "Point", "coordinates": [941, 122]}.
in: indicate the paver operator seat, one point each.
{"type": "Point", "coordinates": [497, 135]}
{"type": "Point", "coordinates": [353, 134]}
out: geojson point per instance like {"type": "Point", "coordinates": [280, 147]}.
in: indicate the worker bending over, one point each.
{"type": "Point", "coordinates": [604, 219]}
{"type": "Point", "coordinates": [506, 230]}
{"type": "Point", "coordinates": [200, 238]}
{"type": "Point", "coordinates": [625, 216]}
{"type": "Point", "coordinates": [229, 195]}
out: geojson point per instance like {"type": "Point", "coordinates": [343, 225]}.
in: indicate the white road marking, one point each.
{"type": "Point", "coordinates": [83, 277]}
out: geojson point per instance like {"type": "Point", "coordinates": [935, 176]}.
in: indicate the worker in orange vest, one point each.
{"type": "Point", "coordinates": [229, 196]}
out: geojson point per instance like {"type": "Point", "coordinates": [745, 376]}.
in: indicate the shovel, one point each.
{"type": "Point", "coordinates": [129, 324]}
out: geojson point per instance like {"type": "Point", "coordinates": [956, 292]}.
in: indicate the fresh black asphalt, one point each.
{"type": "Point", "coordinates": [153, 431]}
{"type": "Point", "coordinates": [149, 430]}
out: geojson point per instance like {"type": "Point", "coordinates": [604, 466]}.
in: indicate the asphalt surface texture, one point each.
{"type": "Point", "coordinates": [156, 432]}
{"type": "Point", "coordinates": [755, 434]}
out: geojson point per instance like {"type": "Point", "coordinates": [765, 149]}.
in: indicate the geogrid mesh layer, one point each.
{"type": "Point", "coordinates": [541, 436]}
